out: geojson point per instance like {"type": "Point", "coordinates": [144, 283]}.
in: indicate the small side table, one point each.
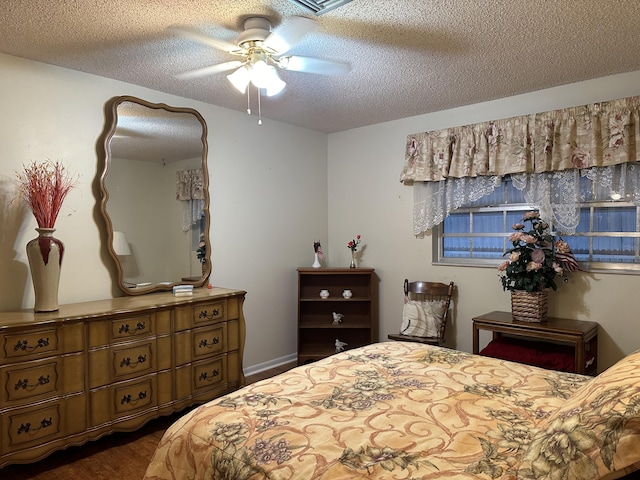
{"type": "Point", "coordinates": [582, 335]}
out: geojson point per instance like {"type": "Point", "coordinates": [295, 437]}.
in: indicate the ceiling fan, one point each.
{"type": "Point", "coordinates": [262, 51]}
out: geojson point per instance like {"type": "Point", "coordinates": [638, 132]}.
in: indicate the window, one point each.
{"type": "Point", "coordinates": [607, 237]}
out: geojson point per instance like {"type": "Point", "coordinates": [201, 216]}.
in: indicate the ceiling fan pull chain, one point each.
{"type": "Point", "coordinates": [259, 109]}
{"type": "Point", "coordinates": [248, 101]}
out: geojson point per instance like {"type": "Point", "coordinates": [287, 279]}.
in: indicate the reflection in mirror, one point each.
{"type": "Point", "coordinates": [155, 198]}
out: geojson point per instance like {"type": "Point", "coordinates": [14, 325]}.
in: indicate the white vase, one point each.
{"type": "Point", "coordinates": [316, 262]}
{"type": "Point", "coordinates": [45, 259]}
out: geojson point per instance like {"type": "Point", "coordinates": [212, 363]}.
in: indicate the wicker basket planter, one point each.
{"type": "Point", "coordinates": [529, 306]}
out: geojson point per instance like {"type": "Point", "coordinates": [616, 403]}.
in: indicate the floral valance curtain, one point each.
{"type": "Point", "coordinates": [190, 191]}
{"type": "Point", "coordinates": [545, 154]}
{"type": "Point", "coordinates": [595, 135]}
{"type": "Point", "coordinates": [190, 185]}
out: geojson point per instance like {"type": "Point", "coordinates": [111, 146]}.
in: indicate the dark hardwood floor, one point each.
{"type": "Point", "coordinates": [122, 456]}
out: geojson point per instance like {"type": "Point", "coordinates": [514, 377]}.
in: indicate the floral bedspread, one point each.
{"type": "Point", "coordinates": [391, 410]}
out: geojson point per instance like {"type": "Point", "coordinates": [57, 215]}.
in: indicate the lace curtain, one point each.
{"type": "Point", "coordinates": [545, 154]}
{"type": "Point", "coordinates": [557, 193]}
{"type": "Point", "coordinates": [190, 191]}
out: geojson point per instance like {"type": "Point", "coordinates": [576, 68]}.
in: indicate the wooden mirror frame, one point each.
{"type": "Point", "coordinates": [111, 126]}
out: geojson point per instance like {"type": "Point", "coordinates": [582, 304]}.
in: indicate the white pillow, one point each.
{"type": "Point", "coordinates": [422, 319]}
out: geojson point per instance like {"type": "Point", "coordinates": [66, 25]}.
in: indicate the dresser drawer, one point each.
{"type": "Point", "coordinates": [28, 432]}
{"type": "Point", "coordinates": [131, 327]}
{"type": "Point", "coordinates": [209, 374]}
{"type": "Point", "coordinates": [200, 343]}
{"type": "Point", "coordinates": [31, 343]}
{"type": "Point", "coordinates": [123, 398]}
{"type": "Point", "coordinates": [210, 312]}
{"type": "Point", "coordinates": [209, 341]}
{"type": "Point", "coordinates": [30, 382]}
{"type": "Point", "coordinates": [38, 379]}
{"type": "Point", "coordinates": [134, 360]}
{"type": "Point", "coordinates": [120, 329]}
{"type": "Point", "coordinates": [36, 343]}
{"type": "Point", "coordinates": [201, 377]}
{"type": "Point", "coordinates": [200, 314]}
{"type": "Point", "coordinates": [32, 425]}
{"type": "Point", "coordinates": [120, 362]}
{"type": "Point", "coordinates": [134, 395]}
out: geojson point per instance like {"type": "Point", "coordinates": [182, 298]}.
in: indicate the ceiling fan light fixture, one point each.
{"type": "Point", "coordinates": [275, 86]}
{"type": "Point", "coordinates": [259, 74]}
{"type": "Point", "coordinates": [240, 79]}
{"type": "Point", "coordinates": [266, 77]}
{"type": "Point", "coordinates": [262, 49]}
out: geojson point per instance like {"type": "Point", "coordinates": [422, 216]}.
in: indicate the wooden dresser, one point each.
{"type": "Point", "coordinates": [93, 368]}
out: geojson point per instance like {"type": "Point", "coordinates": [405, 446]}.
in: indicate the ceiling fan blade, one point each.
{"type": "Point", "coordinates": [289, 33]}
{"type": "Point", "coordinates": [198, 36]}
{"type": "Point", "coordinates": [201, 72]}
{"type": "Point", "coordinates": [314, 65]}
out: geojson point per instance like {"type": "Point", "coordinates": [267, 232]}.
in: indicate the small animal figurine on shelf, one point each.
{"type": "Point", "coordinates": [337, 318]}
{"type": "Point", "coordinates": [340, 346]}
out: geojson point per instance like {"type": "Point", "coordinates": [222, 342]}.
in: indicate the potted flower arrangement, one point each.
{"type": "Point", "coordinates": [534, 262]}
{"type": "Point", "coordinates": [44, 187]}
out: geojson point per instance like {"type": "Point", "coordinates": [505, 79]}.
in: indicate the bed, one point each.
{"type": "Point", "coordinates": [399, 410]}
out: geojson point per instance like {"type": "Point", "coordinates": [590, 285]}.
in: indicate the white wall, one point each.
{"type": "Point", "coordinates": [272, 188]}
{"type": "Point", "coordinates": [366, 197]}
{"type": "Point", "coordinates": [268, 196]}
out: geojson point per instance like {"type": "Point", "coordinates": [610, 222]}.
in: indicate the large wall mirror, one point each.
{"type": "Point", "coordinates": [155, 196]}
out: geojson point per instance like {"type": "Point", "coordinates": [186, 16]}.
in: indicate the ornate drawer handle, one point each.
{"type": "Point", "coordinates": [24, 384]}
{"type": "Point", "coordinates": [126, 362]}
{"type": "Point", "coordinates": [26, 427]}
{"type": "Point", "coordinates": [128, 399]}
{"type": "Point", "coordinates": [127, 329]}
{"type": "Point", "coordinates": [24, 344]}
{"type": "Point", "coordinates": [206, 344]}
{"type": "Point", "coordinates": [205, 375]}
{"type": "Point", "coordinates": [214, 313]}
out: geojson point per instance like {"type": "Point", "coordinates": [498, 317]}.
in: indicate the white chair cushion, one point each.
{"type": "Point", "coordinates": [422, 318]}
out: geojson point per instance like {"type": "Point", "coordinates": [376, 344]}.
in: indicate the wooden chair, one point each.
{"type": "Point", "coordinates": [428, 291]}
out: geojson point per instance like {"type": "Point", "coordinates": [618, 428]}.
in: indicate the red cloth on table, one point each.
{"type": "Point", "coordinates": [541, 354]}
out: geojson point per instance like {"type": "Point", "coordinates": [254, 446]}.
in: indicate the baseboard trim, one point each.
{"type": "Point", "coordinates": [276, 362]}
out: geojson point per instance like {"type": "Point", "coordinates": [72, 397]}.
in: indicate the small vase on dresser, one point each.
{"type": "Point", "coordinates": [353, 260]}
{"type": "Point", "coordinates": [353, 246]}
{"type": "Point", "coordinates": [45, 260]}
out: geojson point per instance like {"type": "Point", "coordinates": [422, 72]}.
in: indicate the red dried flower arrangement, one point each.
{"type": "Point", "coordinates": [44, 187]}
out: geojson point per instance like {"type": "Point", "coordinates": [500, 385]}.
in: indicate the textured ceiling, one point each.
{"type": "Point", "coordinates": [408, 57]}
